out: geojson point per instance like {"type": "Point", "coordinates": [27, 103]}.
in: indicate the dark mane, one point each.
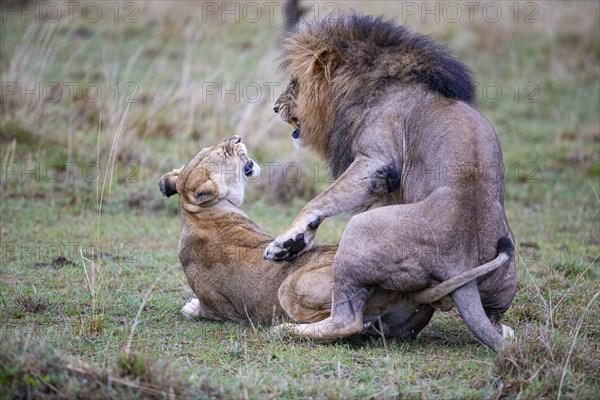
{"type": "Point", "coordinates": [358, 58]}
{"type": "Point", "coordinates": [387, 51]}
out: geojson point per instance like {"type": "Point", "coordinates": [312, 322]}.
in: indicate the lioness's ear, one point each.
{"type": "Point", "coordinates": [209, 192]}
{"type": "Point", "coordinates": [168, 183]}
{"type": "Point", "coordinates": [325, 62]}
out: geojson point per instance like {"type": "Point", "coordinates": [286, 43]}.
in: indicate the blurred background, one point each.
{"type": "Point", "coordinates": [177, 76]}
{"type": "Point", "coordinates": [99, 99]}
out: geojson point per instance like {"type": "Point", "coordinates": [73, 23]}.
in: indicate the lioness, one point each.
{"type": "Point", "coordinates": [221, 252]}
{"type": "Point", "coordinates": [390, 111]}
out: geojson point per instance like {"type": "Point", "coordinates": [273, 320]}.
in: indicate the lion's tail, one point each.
{"type": "Point", "coordinates": [433, 294]}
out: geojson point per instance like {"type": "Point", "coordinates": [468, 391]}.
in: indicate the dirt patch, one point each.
{"type": "Point", "coordinates": [30, 304]}
{"type": "Point", "coordinates": [58, 262]}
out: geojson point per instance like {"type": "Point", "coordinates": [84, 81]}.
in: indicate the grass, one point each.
{"type": "Point", "coordinates": [90, 298]}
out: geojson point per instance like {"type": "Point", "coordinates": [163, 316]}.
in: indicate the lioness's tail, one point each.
{"type": "Point", "coordinates": [433, 294]}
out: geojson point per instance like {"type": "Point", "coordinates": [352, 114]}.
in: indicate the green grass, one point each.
{"type": "Point", "coordinates": [123, 336]}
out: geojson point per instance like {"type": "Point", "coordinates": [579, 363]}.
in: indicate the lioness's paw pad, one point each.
{"type": "Point", "coordinates": [191, 309]}
{"type": "Point", "coordinates": [508, 333]}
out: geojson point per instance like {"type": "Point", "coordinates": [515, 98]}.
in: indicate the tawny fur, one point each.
{"type": "Point", "coordinates": [221, 251]}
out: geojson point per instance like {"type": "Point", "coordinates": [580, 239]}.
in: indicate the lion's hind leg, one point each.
{"type": "Point", "coordinates": [346, 317]}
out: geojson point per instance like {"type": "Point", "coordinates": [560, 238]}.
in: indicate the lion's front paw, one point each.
{"type": "Point", "coordinates": [297, 240]}
{"type": "Point", "coordinates": [287, 249]}
{"type": "Point", "coordinates": [290, 245]}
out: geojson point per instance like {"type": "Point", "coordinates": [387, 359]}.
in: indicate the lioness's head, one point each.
{"type": "Point", "coordinates": [216, 173]}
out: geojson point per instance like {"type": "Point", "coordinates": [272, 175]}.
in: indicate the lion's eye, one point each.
{"type": "Point", "coordinates": [292, 85]}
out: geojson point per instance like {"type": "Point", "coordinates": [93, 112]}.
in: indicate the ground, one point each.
{"type": "Point", "coordinates": [99, 102]}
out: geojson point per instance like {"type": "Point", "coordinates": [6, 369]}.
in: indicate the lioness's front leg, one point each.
{"type": "Point", "coordinates": [358, 188]}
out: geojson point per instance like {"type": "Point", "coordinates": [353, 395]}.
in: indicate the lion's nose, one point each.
{"type": "Point", "coordinates": [276, 109]}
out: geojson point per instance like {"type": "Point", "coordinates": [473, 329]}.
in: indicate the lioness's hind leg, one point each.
{"type": "Point", "coordinates": [192, 309]}
{"type": "Point", "coordinates": [305, 295]}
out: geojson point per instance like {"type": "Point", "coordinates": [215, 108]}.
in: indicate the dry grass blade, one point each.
{"type": "Point", "coordinates": [9, 156]}
{"type": "Point", "coordinates": [96, 321]}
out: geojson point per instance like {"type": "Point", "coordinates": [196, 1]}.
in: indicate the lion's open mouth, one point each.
{"type": "Point", "coordinates": [294, 123]}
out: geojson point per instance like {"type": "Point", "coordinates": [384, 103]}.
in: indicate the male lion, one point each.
{"type": "Point", "coordinates": [390, 111]}
{"type": "Point", "coordinates": [221, 252]}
